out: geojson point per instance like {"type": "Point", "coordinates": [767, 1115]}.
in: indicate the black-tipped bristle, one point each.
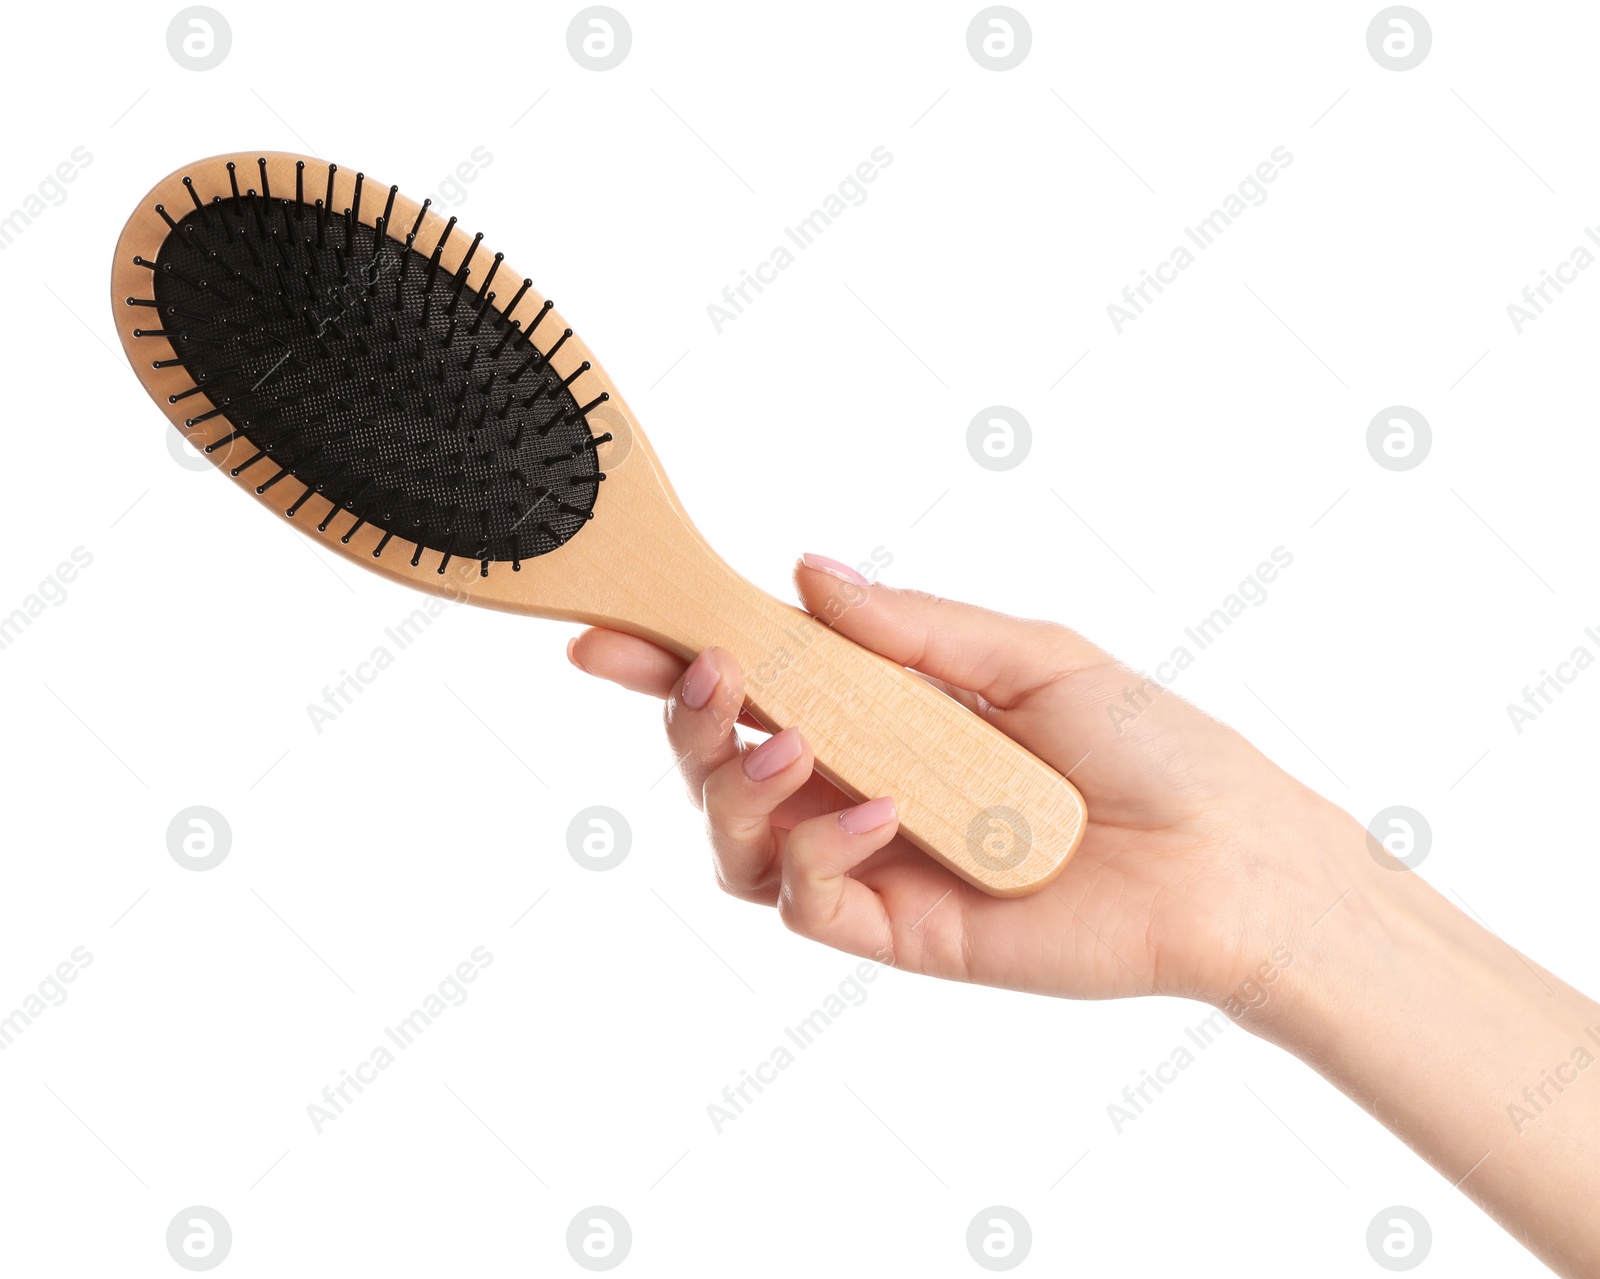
{"type": "Point", "coordinates": [392, 403]}
{"type": "Point", "coordinates": [488, 280]}
{"type": "Point", "coordinates": [526, 285]}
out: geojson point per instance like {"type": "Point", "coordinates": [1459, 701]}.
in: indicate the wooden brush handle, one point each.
{"type": "Point", "coordinates": [966, 794]}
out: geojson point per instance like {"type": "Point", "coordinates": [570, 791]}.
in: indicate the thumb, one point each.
{"type": "Point", "coordinates": [1001, 658]}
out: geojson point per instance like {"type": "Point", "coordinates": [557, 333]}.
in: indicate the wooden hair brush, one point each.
{"type": "Point", "coordinates": [396, 391]}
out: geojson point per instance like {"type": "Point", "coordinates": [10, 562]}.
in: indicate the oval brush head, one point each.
{"type": "Point", "coordinates": [344, 354]}
{"type": "Point", "coordinates": [358, 365]}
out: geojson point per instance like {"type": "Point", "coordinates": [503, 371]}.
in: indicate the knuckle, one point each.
{"type": "Point", "coordinates": [794, 915]}
{"type": "Point", "coordinates": [720, 786]}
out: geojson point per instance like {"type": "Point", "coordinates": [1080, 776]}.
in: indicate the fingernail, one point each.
{"type": "Point", "coordinates": [572, 657]}
{"type": "Point", "coordinates": [699, 681]}
{"type": "Point", "coordinates": [773, 755]}
{"type": "Point", "coordinates": [869, 816]}
{"type": "Point", "coordinates": [833, 568]}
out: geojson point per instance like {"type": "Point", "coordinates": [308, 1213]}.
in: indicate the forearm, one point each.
{"type": "Point", "coordinates": [1484, 1063]}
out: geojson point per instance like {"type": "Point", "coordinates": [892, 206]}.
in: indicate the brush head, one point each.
{"type": "Point", "coordinates": [344, 355]}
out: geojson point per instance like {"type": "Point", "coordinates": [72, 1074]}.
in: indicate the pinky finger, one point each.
{"type": "Point", "coordinates": [820, 899]}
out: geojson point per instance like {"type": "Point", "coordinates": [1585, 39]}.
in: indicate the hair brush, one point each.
{"type": "Point", "coordinates": [399, 393]}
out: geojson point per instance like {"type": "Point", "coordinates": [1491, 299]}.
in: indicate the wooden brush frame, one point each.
{"type": "Point", "coordinates": [966, 794]}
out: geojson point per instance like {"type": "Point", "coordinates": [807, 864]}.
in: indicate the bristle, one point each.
{"type": "Point", "coordinates": [513, 330]}
{"type": "Point", "coordinates": [248, 463]}
{"type": "Point", "coordinates": [574, 375]}
{"type": "Point", "coordinates": [560, 342]}
{"type": "Point", "coordinates": [443, 236]}
{"type": "Point", "coordinates": [510, 310]}
{"type": "Point", "coordinates": [417, 225]}
{"type": "Point", "coordinates": [376, 400]}
{"type": "Point", "coordinates": [488, 280]}
{"type": "Point", "coordinates": [466, 262]}
{"type": "Point", "coordinates": [483, 306]}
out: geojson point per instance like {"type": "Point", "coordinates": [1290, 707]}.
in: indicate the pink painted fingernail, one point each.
{"type": "Point", "coordinates": [833, 568]}
{"type": "Point", "coordinates": [699, 681]}
{"type": "Point", "coordinates": [869, 816]}
{"type": "Point", "coordinates": [773, 755]}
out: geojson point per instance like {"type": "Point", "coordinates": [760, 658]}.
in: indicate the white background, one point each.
{"type": "Point", "coordinates": [369, 860]}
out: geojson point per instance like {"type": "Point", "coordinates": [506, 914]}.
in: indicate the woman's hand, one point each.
{"type": "Point", "coordinates": [1197, 849]}
{"type": "Point", "coordinates": [1205, 871]}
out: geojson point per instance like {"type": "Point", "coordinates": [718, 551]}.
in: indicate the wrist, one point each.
{"type": "Point", "coordinates": [1303, 873]}
{"type": "Point", "coordinates": [1366, 943]}
{"type": "Point", "coordinates": [1348, 926]}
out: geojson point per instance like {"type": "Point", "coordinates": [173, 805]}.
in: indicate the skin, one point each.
{"type": "Point", "coordinates": [1204, 867]}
